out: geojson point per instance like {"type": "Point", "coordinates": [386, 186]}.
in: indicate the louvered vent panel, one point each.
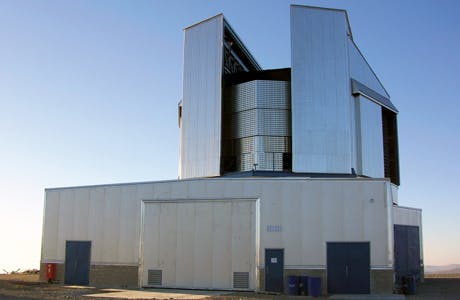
{"type": "Point", "coordinates": [154, 277]}
{"type": "Point", "coordinates": [240, 280]}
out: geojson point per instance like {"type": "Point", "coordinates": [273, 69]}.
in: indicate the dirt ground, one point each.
{"type": "Point", "coordinates": [27, 287]}
{"type": "Point", "coordinates": [21, 286]}
{"type": "Point", "coordinates": [442, 275]}
{"type": "Point", "coordinates": [438, 288]}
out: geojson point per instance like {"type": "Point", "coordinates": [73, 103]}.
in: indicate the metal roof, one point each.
{"type": "Point", "coordinates": [361, 89]}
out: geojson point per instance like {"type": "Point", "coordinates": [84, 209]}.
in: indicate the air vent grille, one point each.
{"type": "Point", "coordinates": [154, 277]}
{"type": "Point", "coordinates": [241, 280]}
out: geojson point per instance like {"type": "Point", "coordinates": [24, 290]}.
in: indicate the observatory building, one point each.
{"type": "Point", "coordinates": [282, 172]}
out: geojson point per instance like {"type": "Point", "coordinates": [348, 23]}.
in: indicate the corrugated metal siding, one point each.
{"type": "Point", "coordinates": [201, 104]}
{"type": "Point", "coordinates": [263, 143]}
{"type": "Point", "coordinates": [107, 215]}
{"type": "Point", "coordinates": [200, 244]}
{"type": "Point", "coordinates": [305, 212]}
{"type": "Point", "coordinates": [321, 102]}
{"type": "Point", "coordinates": [407, 216]}
{"type": "Point", "coordinates": [370, 138]}
{"type": "Point", "coordinates": [270, 122]}
{"type": "Point", "coordinates": [260, 124]}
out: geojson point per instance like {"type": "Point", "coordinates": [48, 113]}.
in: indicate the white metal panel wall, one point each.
{"type": "Point", "coordinates": [302, 216]}
{"type": "Point", "coordinates": [321, 104]}
{"type": "Point", "coordinates": [201, 102]}
{"type": "Point", "coordinates": [128, 224]}
{"type": "Point", "coordinates": [66, 222]}
{"type": "Point", "coordinates": [107, 216]}
{"type": "Point", "coordinates": [111, 215]}
{"type": "Point", "coordinates": [199, 243]}
{"type": "Point", "coordinates": [50, 246]}
{"type": "Point", "coordinates": [361, 71]}
{"type": "Point", "coordinates": [96, 221]}
{"type": "Point", "coordinates": [394, 193]}
{"type": "Point", "coordinates": [354, 135]}
{"type": "Point", "coordinates": [407, 216]}
{"type": "Point", "coordinates": [370, 138]}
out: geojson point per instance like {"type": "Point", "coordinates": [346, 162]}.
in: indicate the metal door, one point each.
{"type": "Point", "coordinates": [77, 260]}
{"type": "Point", "coordinates": [348, 268]}
{"type": "Point", "coordinates": [406, 252]}
{"type": "Point", "coordinates": [274, 267]}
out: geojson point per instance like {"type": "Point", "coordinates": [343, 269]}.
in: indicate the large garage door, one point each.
{"type": "Point", "coordinates": [348, 268]}
{"type": "Point", "coordinates": [199, 244]}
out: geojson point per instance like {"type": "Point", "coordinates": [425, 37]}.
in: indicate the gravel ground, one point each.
{"type": "Point", "coordinates": [27, 287]}
{"type": "Point", "coordinates": [437, 288]}
{"type": "Point", "coordinates": [37, 290]}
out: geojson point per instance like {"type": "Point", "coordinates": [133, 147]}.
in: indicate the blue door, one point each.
{"type": "Point", "coordinates": [348, 268]}
{"type": "Point", "coordinates": [406, 252]}
{"type": "Point", "coordinates": [274, 267]}
{"type": "Point", "coordinates": [77, 260]}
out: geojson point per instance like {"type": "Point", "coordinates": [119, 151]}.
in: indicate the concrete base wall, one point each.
{"type": "Point", "coordinates": [101, 275]}
{"type": "Point", "coordinates": [113, 276]}
{"type": "Point", "coordinates": [127, 277]}
{"type": "Point", "coordinates": [381, 280]}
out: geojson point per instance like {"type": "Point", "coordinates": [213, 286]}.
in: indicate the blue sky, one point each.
{"type": "Point", "coordinates": [89, 92]}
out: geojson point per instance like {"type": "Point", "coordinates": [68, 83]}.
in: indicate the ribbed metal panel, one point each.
{"type": "Point", "coordinates": [260, 124]}
{"type": "Point", "coordinates": [250, 144]}
{"type": "Point", "coordinates": [261, 94]}
{"type": "Point", "coordinates": [243, 96]}
{"type": "Point", "coordinates": [273, 94]}
{"type": "Point", "coordinates": [268, 161]}
{"type": "Point", "coordinates": [370, 138]}
{"type": "Point", "coordinates": [245, 161]}
{"type": "Point", "coordinates": [321, 92]}
{"type": "Point", "coordinates": [200, 146]}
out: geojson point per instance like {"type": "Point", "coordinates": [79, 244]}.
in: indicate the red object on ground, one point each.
{"type": "Point", "coordinates": [50, 271]}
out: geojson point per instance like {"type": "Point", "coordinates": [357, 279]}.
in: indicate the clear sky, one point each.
{"type": "Point", "coordinates": [89, 93]}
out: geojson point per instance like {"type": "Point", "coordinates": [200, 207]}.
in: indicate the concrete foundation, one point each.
{"type": "Point", "coordinates": [382, 281]}
{"type": "Point", "coordinates": [101, 275]}
{"type": "Point", "coordinates": [113, 276]}
{"type": "Point", "coordinates": [127, 277]}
